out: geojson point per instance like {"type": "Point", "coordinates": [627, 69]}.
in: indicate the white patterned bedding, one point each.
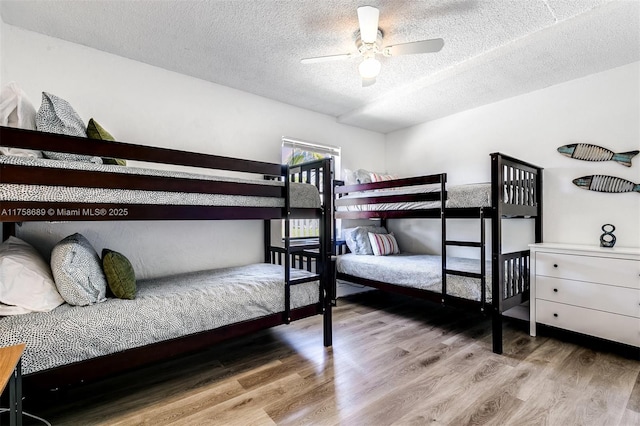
{"type": "Point", "coordinates": [421, 271]}
{"type": "Point", "coordinates": [164, 308]}
{"type": "Point", "coordinates": [471, 195]}
{"type": "Point", "coordinates": [302, 195]}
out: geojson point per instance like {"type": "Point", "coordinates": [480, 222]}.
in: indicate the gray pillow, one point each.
{"type": "Point", "coordinates": [77, 271]}
{"type": "Point", "coordinates": [357, 239]}
{"type": "Point", "coordinates": [57, 116]}
{"type": "Point", "coordinates": [363, 176]}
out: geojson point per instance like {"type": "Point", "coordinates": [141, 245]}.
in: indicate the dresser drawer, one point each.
{"type": "Point", "coordinates": [609, 326]}
{"type": "Point", "coordinates": [618, 300]}
{"type": "Point", "coordinates": [604, 270]}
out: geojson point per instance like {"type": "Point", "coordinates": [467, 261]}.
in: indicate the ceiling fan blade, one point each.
{"type": "Point", "coordinates": [326, 58]}
{"type": "Point", "coordinates": [368, 19]}
{"type": "Point", "coordinates": [424, 46]}
{"type": "Point", "coordinates": [366, 82]}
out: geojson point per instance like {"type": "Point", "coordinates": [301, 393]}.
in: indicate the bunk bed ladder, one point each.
{"type": "Point", "coordinates": [478, 244]}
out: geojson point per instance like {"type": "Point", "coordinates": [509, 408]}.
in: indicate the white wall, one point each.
{"type": "Point", "coordinates": [601, 109]}
{"type": "Point", "coordinates": [142, 104]}
{"type": "Point", "coordinates": [2, 30]}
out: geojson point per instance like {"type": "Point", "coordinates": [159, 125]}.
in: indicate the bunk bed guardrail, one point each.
{"type": "Point", "coordinates": [20, 211]}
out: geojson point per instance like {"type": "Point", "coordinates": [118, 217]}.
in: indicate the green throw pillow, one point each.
{"type": "Point", "coordinates": [96, 131]}
{"type": "Point", "coordinates": [120, 275]}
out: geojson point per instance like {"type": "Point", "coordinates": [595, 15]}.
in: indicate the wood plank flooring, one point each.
{"type": "Point", "coordinates": [395, 361]}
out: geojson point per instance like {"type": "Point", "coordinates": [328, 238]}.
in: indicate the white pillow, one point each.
{"type": "Point", "coordinates": [77, 271]}
{"type": "Point", "coordinates": [383, 244]}
{"type": "Point", "coordinates": [17, 111]}
{"type": "Point", "coordinates": [349, 177]}
{"type": "Point", "coordinates": [15, 108]}
{"type": "Point", "coordinates": [6, 310]}
{"type": "Point", "coordinates": [26, 283]}
{"type": "Point", "coordinates": [19, 152]}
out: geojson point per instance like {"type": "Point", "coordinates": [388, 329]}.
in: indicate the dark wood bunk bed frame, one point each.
{"type": "Point", "coordinates": [516, 192]}
{"type": "Point", "coordinates": [316, 256]}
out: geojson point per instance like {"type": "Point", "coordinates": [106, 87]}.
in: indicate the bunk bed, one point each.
{"type": "Point", "coordinates": [262, 295]}
{"type": "Point", "coordinates": [497, 284]}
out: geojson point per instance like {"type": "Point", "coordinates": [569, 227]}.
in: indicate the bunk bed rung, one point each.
{"type": "Point", "coordinates": [293, 248]}
{"type": "Point", "coordinates": [468, 212]}
{"type": "Point", "coordinates": [303, 247]}
{"type": "Point", "coordinates": [463, 273]}
{"type": "Point", "coordinates": [432, 196]}
{"type": "Point", "coordinates": [463, 243]}
{"type": "Point", "coordinates": [389, 214]}
{"type": "Point", "coordinates": [516, 210]}
{"type": "Point", "coordinates": [302, 213]}
{"type": "Point", "coordinates": [315, 277]}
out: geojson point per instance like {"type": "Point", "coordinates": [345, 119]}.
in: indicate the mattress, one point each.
{"type": "Point", "coordinates": [458, 196]}
{"type": "Point", "coordinates": [420, 271]}
{"type": "Point", "coordinates": [164, 308]}
{"type": "Point", "coordinates": [302, 195]}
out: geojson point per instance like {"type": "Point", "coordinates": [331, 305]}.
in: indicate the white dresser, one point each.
{"type": "Point", "coordinates": [587, 289]}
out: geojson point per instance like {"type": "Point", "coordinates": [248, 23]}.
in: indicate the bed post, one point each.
{"type": "Point", "coordinates": [326, 252]}
{"type": "Point", "coordinates": [538, 201]}
{"type": "Point", "coordinates": [267, 241]}
{"type": "Point", "coordinates": [8, 230]}
{"type": "Point", "coordinates": [443, 231]}
{"type": "Point", "coordinates": [287, 245]}
{"type": "Point", "coordinates": [497, 182]}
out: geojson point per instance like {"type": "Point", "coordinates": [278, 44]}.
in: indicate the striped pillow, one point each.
{"type": "Point", "coordinates": [380, 177]}
{"type": "Point", "coordinates": [383, 244]}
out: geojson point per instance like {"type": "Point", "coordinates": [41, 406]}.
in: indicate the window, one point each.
{"type": "Point", "coordinates": [294, 152]}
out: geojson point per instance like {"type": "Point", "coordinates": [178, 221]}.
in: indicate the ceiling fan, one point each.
{"type": "Point", "coordinates": [369, 42]}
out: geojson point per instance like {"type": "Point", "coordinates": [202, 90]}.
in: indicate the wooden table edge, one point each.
{"type": "Point", "coordinates": [9, 358]}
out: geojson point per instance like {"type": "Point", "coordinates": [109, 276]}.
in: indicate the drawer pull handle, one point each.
{"type": "Point", "coordinates": [555, 290]}
{"type": "Point", "coordinates": [555, 265]}
{"type": "Point", "coordinates": [555, 315]}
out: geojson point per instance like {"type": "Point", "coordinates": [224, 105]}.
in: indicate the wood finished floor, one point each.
{"type": "Point", "coordinates": [395, 360]}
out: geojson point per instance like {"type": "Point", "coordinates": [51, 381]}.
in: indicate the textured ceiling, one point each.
{"type": "Point", "coordinates": [494, 49]}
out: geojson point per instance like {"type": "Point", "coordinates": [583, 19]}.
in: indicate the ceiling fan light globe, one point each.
{"type": "Point", "coordinates": [369, 68]}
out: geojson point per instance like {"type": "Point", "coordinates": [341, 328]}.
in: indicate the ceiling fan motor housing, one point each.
{"type": "Point", "coordinates": [369, 50]}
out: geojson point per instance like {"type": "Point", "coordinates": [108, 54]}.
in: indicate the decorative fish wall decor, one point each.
{"type": "Point", "coordinates": [603, 183]}
{"type": "Point", "coordinates": [588, 152]}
